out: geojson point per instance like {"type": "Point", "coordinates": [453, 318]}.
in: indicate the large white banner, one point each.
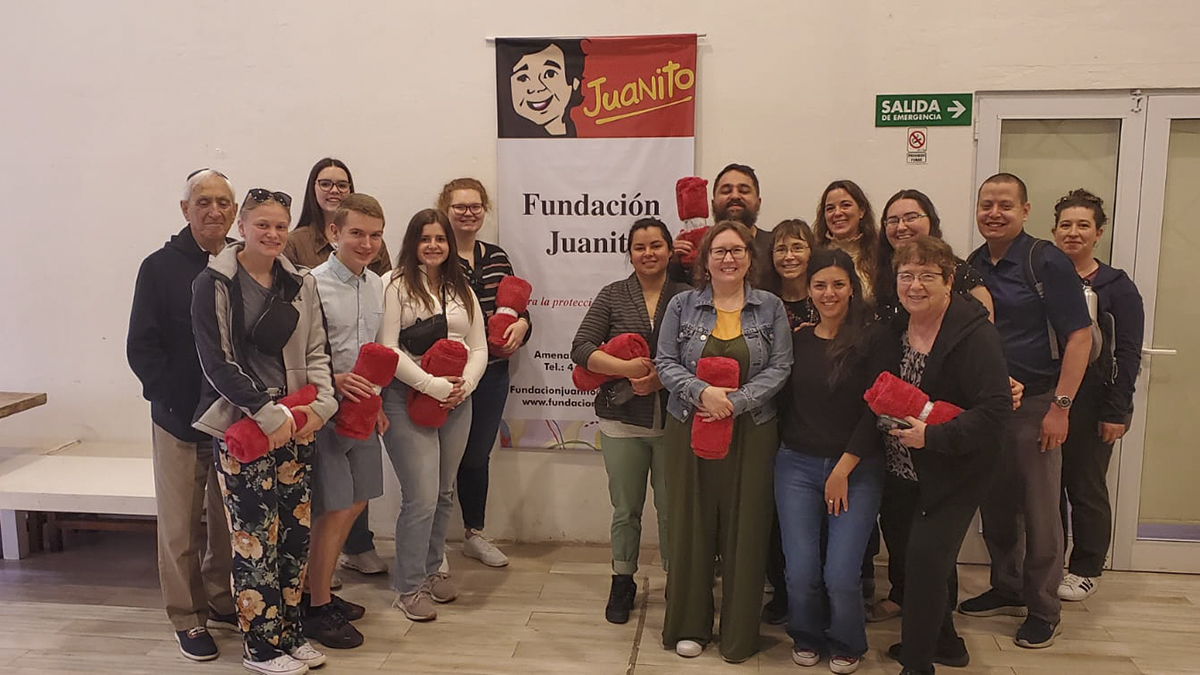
{"type": "Point", "coordinates": [593, 134]}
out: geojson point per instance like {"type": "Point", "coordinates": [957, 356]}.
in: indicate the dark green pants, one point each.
{"type": "Point", "coordinates": [721, 507]}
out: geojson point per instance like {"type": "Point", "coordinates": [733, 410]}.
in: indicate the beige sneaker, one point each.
{"type": "Point", "coordinates": [441, 589]}
{"type": "Point", "coordinates": [482, 549]}
{"type": "Point", "coordinates": [335, 581]}
{"type": "Point", "coordinates": [417, 606]}
{"type": "Point", "coordinates": [367, 562]}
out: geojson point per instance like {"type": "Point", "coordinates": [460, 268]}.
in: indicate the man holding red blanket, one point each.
{"type": "Point", "coordinates": [347, 471]}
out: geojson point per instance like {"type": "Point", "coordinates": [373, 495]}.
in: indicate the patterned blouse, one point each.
{"type": "Point", "coordinates": [899, 458]}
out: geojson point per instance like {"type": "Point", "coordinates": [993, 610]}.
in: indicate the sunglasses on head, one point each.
{"type": "Point", "coordinates": [192, 174]}
{"type": "Point", "coordinates": [261, 195]}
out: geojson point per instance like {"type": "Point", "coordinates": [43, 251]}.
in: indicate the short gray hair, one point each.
{"type": "Point", "coordinates": [199, 176]}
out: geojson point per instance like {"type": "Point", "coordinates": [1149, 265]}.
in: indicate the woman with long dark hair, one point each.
{"type": "Point", "coordinates": [329, 182]}
{"type": "Point", "coordinates": [428, 286]}
{"type": "Point", "coordinates": [845, 221]}
{"type": "Point", "coordinates": [631, 409]}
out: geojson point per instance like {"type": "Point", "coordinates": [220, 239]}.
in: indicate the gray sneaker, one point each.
{"type": "Point", "coordinates": [441, 589]}
{"type": "Point", "coordinates": [367, 562]}
{"type": "Point", "coordinates": [417, 606]}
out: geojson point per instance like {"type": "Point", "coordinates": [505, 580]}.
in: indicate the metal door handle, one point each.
{"type": "Point", "coordinates": [1159, 351]}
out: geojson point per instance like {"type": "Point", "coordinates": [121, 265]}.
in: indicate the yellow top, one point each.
{"type": "Point", "coordinates": [729, 325]}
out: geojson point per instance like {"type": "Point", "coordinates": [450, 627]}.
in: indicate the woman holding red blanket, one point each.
{"type": "Point", "coordinates": [428, 299]}
{"type": "Point", "coordinates": [260, 335]}
{"type": "Point", "coordinates": [720, 506]}
{"type": "Point", "coordinates": [465, 202]}
{"type": "Point", "coordinates": [632, 408]}
{"type": "Point", "coordinates": [952, 352]}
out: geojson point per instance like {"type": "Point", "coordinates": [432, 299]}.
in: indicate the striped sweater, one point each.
{"type": "Point", "coordinates": [620, 308]}
{"type": "Point", "coordinates": [489, 264]}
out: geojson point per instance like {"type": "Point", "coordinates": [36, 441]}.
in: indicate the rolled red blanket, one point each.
{"type": "Point", "coordinates": [512, 298]}
{"type": "Point", "coordinates": [694, 236]}
{"type": "Point", "coordinates": [378, 364]}
{"type": "Point", "coordinates": [711, 440]}
{"type": "Point", "coordinates": [247, 442]}
{"type": "Point", "coordinates": [890, 395]}
{"type": "Point", "coordinates": [624, 346]}
{"type": "Point", "coordinates": [691, 197]}
{"type": "Point", "coordinates": [446, 358]}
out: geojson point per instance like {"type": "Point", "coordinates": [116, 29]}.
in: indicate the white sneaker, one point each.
{"type": "Point", "coordinates": [335, 581]}
{"type": "Point", "coordinates": [280, 665]}
{"type": "Point", "coordinates": [367, 562]}
{"type": "Point", "coordinates": [1075, 588]}
{"type": "Point", "coordinates": [688, 649]}
{"type": "Point", "coordinates": [445, 567]}
{"type": "Point", "coordinates": [482, 549]}
{"type": "Point", "coordinates": [308, 655]}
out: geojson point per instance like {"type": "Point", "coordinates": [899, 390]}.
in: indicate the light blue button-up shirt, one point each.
{"type": "Point", "coordinates": [353, 309]}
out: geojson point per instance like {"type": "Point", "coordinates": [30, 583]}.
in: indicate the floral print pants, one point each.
{"type": "Point", "coordinates": [267, 502]}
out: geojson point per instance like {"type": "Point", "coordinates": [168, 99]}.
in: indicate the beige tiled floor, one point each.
{"type": "Point", "coordinates": [95, 608]}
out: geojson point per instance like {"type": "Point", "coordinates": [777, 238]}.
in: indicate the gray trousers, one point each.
{"type": "Point", "coordinates": [1021, 523]}
{"type": "Point", "coordinates": [426, 463]}
{"type": "Point", "coordinates": [194, 552]}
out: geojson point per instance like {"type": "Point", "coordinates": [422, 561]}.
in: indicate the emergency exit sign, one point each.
{"type": "Point", "coordinates": [927, 110]}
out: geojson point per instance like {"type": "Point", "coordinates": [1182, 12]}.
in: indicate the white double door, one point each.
{"type": "Point", "coordinates": [1141, 153]}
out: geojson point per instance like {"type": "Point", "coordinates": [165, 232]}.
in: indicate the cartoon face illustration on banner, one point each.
{"type": "Point", "coordinates": [544, 78]}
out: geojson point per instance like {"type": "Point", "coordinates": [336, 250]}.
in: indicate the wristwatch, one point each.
{"type": "Point", "coordinates": [1063, 402]}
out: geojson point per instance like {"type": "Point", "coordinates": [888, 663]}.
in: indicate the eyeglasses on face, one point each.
{"type": "Point", "coordinates": [795, 249]}
{"type": "Point", "coordinates": [738, 253]}
{"type": "Point", "coordinates": [907, 219]}
{"type": "Point", "coordinates": [464, 209]}
{"type": "Point", "coordinates": [328, 185]}
{"type": "Point", "coordinates": [261, 195]}
{"type": "Point", "coordinates": [926, 278]}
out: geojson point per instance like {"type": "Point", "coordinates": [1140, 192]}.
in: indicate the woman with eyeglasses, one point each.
{"type": "Point", "coordinates": [465, 202]}
{"type": "Point", "coordinates": [952, 352]}
{"type": "Point", "coordinates": [907, 215]}
{"type": "Point", "coordinates": [720, 506]}
{"type": "Point", "coordinates": [329, 182]}
{"type": "Point", "coordinates": [846, 222]}
{"type": "Point", "coordinates": [260, 335]}
{"type": "Point", "coordinates": [829, 472]}
{"type": "Point", "coordinates": [792, 244]}
{"type": "Point", "coordinates": [428, 290]}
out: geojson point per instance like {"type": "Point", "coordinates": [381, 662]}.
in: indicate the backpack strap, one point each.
{"type": "Point", "coordinates": [1037, 257]}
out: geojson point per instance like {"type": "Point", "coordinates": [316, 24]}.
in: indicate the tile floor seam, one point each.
{"type": "Point", "coordinates": [641, 625]}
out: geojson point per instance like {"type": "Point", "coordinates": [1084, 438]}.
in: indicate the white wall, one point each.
{"type": "Point", "coordinates": [107, 106]}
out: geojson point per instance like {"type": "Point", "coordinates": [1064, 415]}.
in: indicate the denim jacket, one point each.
{"type": "Point", "coordinates": [686, 327]}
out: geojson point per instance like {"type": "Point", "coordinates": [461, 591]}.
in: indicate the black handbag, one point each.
{"type": "Point", "coordinates": [419, 337]}
{"type": "Point", "coordinates": [274, 327]}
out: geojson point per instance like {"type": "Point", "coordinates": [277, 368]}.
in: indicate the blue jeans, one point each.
{"type": "Point", "coordinates": [825, 606]}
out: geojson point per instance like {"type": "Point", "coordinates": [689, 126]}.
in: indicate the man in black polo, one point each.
{"type": "Point", "coordinates": [194, 556]}
{"type": "Point", "coordinates": [1047, 341]}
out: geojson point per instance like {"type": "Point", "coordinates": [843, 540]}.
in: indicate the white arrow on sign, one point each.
{"type": "Point", "coordinates": [957, 108]}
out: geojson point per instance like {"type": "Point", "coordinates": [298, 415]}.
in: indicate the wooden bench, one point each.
{"type": "Point", "coordinates": [77, 477]}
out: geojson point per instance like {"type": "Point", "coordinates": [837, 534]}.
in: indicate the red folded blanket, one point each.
{"type": "Point", "coordinates": [446, 358]}
{"type": "Point", "coordinates": [247, 442]}
{"type": "Point", "coordinates": [893, 396]}
{"type": "Point", "coordinates": [694, 236]}
{"type": "Point", "coordinates": [512, 298]}
{"type": "Point", "coordinates": [625, 346]}
{"type": "Point", "coordinates": [710, 440]}
{"type": "Point", "coordinates": [691, 197]}
{"type": "Point", "coordinates": [377, 364]}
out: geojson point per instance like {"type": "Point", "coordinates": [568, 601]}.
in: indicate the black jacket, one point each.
{"type": "Point", "coordinates": [160, 347]}
{"type": "Point", "coordinates": [966, 367]}
{"type": "Point", "coordinates": [1116, 294]}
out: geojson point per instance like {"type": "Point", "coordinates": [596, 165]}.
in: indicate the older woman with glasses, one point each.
{"type": "Point", "coordinates": [952, 352]}
{"type": "Point", "coordinates": [721, 506]}
{"type": "Point", "coordinates": [260, 335]}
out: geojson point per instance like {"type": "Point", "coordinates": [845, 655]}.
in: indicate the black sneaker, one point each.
{"type": "Point", "coordinates": [620, 598]}
{"type": "Point", "coordinates": [326, 625]}
{"type": "Point", "coordinates": [196, 644]}
{"type": "Point", "coordinates": [226, 621]}
{"type": "Point", "coordinates": [955, 658]}
{"type": "Point", "coordinates": [775, 612]}
{"type": "Point", "coordinates": [1037, 633]}
{"type": "Point", "coordinates": [992, 603]}
{"type": "Point", "coordinates": [352, 611]}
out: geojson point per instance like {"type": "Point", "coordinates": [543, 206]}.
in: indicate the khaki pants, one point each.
{"type": "Point", "coordinates": [193, 537]}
